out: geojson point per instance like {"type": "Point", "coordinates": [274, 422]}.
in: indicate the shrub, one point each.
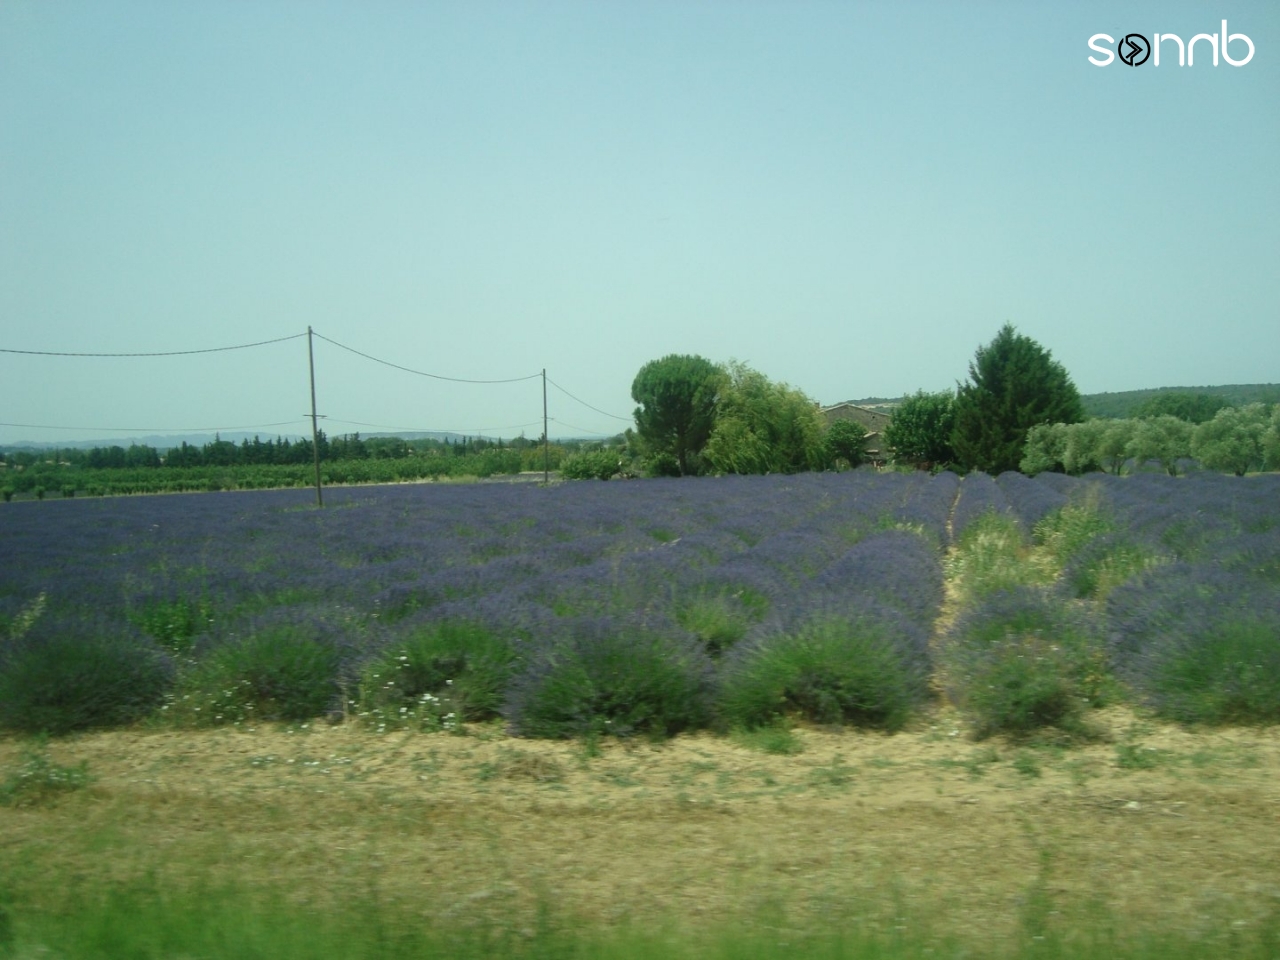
{"type": "Point", "coordinates": [280, 672]}
{"type": "Point", "coordinates": [66, 675]}
{"type": "Point", "coordinates": [1199, 642]}
{"type": "Point", "coordinates": [1104, 564]}
{"type": "Point", "coordinates": [1228, 675]}
{"type": "Point", "coordinates": [720, 618]}
{"type": "Point", "coordinates": [611, 677]}
{"type": "Point", "coordinates": [831, 670]}
{"type": "Point", "coordinates": [438, 676]}
{"type": "Point", "coordinates": [591, 465]}
{"type": "Point", "coordinates": [1024, 659]}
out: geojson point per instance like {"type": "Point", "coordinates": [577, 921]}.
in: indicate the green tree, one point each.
{"type": "Point", "coordinates": [1233, 440]}
{"type": "Point", "coordinates": [677, 397]}
{"type": "Point", "coordinates": [764, 427]}
{"type": "Point", "coordinates": [1271, 440]}
{"type": "Point", "coordinates": [1014, 385]}
{"type": "Point", "coordinates": [920, 431]}
{"type": "Point", "coordinates": [1046, 449]}
{"type": "Point", "coordinates": [1165, 438]}
{"type": "Point", "coordinates": [845, 440]}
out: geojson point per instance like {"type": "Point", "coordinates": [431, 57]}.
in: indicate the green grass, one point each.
{"type": "Point", "coordinates": [778, 739]}
{"type": "Point", "coordinates": [145, 921]}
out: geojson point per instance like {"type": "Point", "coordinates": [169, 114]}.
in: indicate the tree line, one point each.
{"type": "Point", "coordinates": [259, 452]}
{"type": "Point", "coordinates": [1017, 410]}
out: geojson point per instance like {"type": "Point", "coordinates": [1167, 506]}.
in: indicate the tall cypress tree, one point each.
{"type": "Point", "coordinates": [1014, 385]}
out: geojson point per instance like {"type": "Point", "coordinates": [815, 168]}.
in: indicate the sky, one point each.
{"type": "Point", "coordinates": [849, 197]}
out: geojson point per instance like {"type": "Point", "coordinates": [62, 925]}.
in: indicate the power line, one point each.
{"type": "Point", "coordinates": [585, 404]}
{"type": "Point", "coordinates": [585, 431]}
{"type": "Point", "coordinates": [420, 373]}
{"type": "Point", "coordinates": [254, 426]}
{"type": "Point", "coordinates": [168, 353]}
{"type": "Point", "coordinates": [471, 430]}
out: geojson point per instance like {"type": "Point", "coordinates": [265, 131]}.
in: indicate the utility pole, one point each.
{"type": "Point", "coordinates": [315, 432]}
{"type": "Point", "coordinates": [546, 440]}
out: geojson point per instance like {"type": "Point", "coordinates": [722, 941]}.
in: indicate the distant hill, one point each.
{"type": "Point", "coordinates": [1118, 406]}
{"type": "Point", "coordinates": [164, 442]}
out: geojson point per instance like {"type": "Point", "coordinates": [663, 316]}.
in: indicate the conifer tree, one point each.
{"type": "Point", "coordinates": [1014, 385]}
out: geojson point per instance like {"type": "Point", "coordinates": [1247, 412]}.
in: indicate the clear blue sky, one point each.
{"type": "Point", "coordinates": [850, 197]}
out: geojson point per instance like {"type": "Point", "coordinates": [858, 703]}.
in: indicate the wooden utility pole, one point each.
{"type": "Point", "coordinates": [546, 440]}
{"type": "Point", "coordinates": [315, 432]}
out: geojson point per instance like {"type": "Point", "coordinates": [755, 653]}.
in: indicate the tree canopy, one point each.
{"type": "Point", "coordinates": [920, 431]}
{"type": "Point", "coordinates": [1014, 385]}
{"type": "Point", "coordinates": [764, 427]}
{"type": "Point", "coordinates": [677, 396]}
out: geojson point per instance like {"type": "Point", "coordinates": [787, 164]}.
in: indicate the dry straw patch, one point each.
{"type": "Point", "coordinates": [1160, 827]}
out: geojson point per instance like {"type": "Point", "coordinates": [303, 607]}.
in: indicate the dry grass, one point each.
{"type": "Point", "coordinates": [1157, 828]}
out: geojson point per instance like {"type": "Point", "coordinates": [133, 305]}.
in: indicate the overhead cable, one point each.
{"type": "Point", "coordinates": [573, 426]}
{"type": "Point", "coordinates": [585, 404]}
{"type": "Point", "coordinates": [167, 353]}
{"type": "Point", "coordinates": [420, 373]}
{"type": "Point", "coordinates": [383, 426]}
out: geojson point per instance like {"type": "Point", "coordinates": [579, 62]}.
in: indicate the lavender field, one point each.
{"type": "Point", "coordinates": [641, 607]}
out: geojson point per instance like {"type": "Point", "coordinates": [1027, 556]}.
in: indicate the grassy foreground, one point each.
{"type": "Point", "coordinates": [332, 841]}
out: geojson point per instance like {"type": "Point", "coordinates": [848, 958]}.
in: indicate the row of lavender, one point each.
{"type": "Point", "coordinates": [589, 607]}
{"type": "Point", "coordinates": [1178, 581]}
{"type": "Point", "coordinates": [364, 599]}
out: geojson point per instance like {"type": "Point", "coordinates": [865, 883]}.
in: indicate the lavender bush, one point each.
{"type": "Point", "coordinates": [68, 673]}
{"type": "Point", "coordinates": [1200, 642]}
{"type": "Point", "coordinates": [724, 568]}
{"type": "Point", "coordinates": [611, 676]}
{"type": "Point", "coordinates": [1024, 658]}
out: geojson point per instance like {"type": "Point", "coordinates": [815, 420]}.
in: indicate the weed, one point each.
{"type": "Point", "coordinates": [1026, 763]}
{"type": "Point", "coordinates": [1133, 756]}
{"type": "Point", "coordinates": [777, 738]}
{"type": "Point", "coordinates": [37, 780]}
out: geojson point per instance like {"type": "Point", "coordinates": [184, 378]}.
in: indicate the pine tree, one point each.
{"type": "Point", "coordinates": [1014, 385]}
